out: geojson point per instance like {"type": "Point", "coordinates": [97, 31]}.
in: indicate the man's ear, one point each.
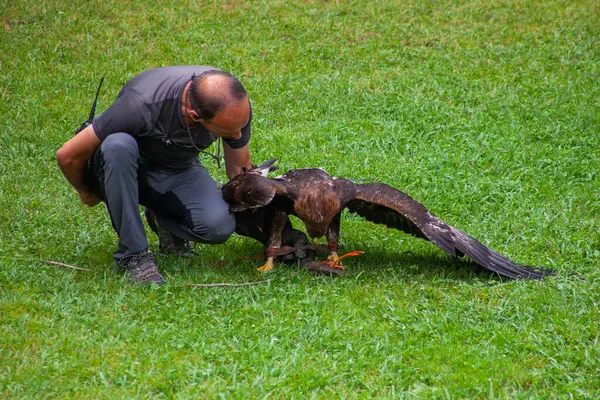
{"type": "Point", "coordinates": [195, 116]}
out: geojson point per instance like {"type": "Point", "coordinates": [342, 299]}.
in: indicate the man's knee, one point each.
{"type": "Point", "coordinates": [215, 227]}
{"type": "Point", "coordinates": [119, 147]}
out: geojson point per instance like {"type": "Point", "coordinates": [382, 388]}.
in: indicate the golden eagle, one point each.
{"type": "Point", "coordinates": [318, 199]}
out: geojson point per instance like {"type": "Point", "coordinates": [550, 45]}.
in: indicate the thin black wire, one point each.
{"type": "Point", "coordinates": [216, 157]}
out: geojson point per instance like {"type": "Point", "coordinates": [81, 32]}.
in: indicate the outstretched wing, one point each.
{"type": "Point", "coordinates": [384, 204]}
{"type": "Point", "coordinates": [248, 190]}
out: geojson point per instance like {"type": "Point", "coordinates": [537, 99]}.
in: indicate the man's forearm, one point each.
{"type": "Point", "coordinates": [75, 175]}
{"type": "Point", "coordinates": [73, 155]}
{"type": "Point", "coordinates": [236, 159]}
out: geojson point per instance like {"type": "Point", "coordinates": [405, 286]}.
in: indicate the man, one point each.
{"type": "Point", "coordinates": [144, 150]}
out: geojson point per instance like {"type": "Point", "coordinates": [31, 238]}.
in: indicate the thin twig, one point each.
{"type": "Point", "coordinates": [227, 284]}
{"type": "Point", "coordinates": [64, 265]}
{"type": "Point", "coordinates": [48, 262]}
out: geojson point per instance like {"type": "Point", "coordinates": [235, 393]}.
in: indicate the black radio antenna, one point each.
{"type": "Point", "coordinates": [92, 111]}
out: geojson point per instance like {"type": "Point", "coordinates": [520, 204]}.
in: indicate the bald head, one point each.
{"type": "Point", "coordinates": [212, 92]}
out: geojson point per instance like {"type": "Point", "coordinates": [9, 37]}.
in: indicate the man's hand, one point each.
{"type": "Point", "coordinates": [88, 198]}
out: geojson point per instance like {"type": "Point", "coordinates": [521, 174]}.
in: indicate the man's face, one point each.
{"type": "Point", "coordinates": [228, 124]}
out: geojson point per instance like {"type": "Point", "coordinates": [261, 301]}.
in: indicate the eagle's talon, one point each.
{"type": "Point", "coordinates": [267, 267]}
{"type": "Point", "coordinates": [334, 264]}
{"type": "Point", "coordinates": [333, 257]}
{"type": "Point", "coordinates": [333, 260]}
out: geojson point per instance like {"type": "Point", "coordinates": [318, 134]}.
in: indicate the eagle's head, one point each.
{"type": "Point", "coordinates": [251, 188]}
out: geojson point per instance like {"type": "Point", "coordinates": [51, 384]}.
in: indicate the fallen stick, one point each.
{"type": "Point", "coordinates": [64, 265]}
{"type": "Point", "coordinates": [48, 262]}
{"type": "Point", "coordinates": [227, 284]}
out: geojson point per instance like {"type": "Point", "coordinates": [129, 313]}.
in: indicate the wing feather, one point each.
{"type": "Point", "coordinates": [384, 204]}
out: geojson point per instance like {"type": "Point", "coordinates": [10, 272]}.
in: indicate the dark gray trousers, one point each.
{"type": "Point", "coordinates": [187, 203]}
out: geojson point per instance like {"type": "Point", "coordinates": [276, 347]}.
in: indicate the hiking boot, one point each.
{"type": "Point", "coordinates": [167, 242]}
{"type": "Point", "coordinates": [141, 268]}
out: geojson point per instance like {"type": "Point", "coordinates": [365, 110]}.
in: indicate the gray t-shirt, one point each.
{"type": "Point", "coordinates": [149, 109]}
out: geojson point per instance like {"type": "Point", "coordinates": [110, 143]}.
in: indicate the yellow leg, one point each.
{"type": "Point", "coordinates": [333, 257]}
{"type": "Point", "coordinates": [268, 265]}
{"type": "Point", "coordinates": [333, 260]}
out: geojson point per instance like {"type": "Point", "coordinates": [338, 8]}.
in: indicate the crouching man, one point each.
{"type": "Point", "coordinates": [144, 150]}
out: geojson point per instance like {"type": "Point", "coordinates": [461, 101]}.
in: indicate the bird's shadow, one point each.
{"type": "Point", "coordinates": [405, 264]}
{"type": "Point", "coordinates": [411, 264]}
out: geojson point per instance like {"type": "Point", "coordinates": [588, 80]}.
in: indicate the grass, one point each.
{"type": "Point", "coordinates": [487, 112]}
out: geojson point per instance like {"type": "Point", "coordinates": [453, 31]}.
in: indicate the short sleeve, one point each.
{"type": "Point", "coordinates": [127, 114]}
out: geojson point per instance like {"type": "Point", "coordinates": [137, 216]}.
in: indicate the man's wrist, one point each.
{"type": "Point", "coordinates": [84, 191]}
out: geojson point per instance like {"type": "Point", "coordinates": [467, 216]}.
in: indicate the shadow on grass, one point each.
{"type": "Point", "coordinates": [239, 259]}
{"type": "Point", "coordinates": [244, 258]}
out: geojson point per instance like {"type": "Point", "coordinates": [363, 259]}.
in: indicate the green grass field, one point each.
{"type": "Point", "coordinates": [486, 112]}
